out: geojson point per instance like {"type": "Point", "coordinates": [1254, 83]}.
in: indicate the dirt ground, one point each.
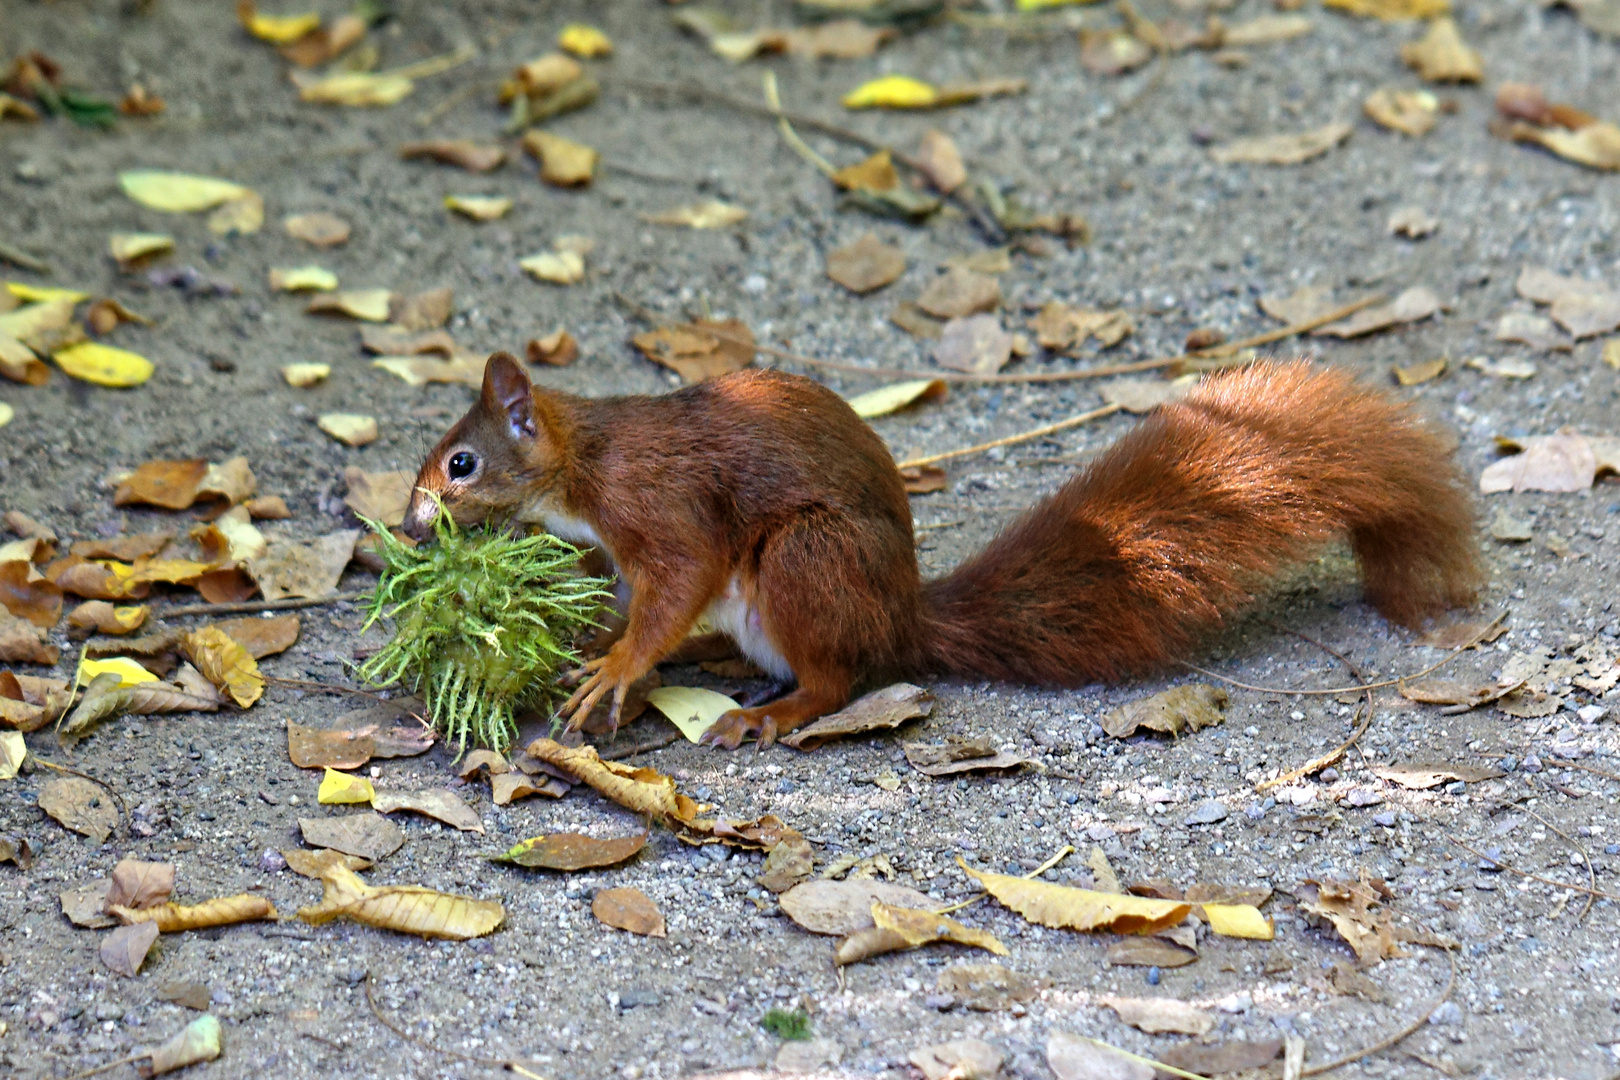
{"type": "Point", "coordinates": [1180, 242]}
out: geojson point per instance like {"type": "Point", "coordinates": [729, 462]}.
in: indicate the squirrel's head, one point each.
{"type": "Point", "coordinates": [494, 462]}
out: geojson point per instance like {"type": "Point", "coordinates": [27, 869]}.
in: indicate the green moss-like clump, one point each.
{"type": "Point", "coordinates": [483, 623]}
{"type": "Point", "coordinates": [791, 1026]}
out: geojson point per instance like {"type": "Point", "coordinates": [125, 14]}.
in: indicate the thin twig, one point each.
{"type": "Point", "coordinates": [1385, 1044]}
{"type": "Point", "coordinates": [250, 606]}
{"type": "Point", "coordinates": [1584, 768]}
{"type": "Point", "coordinates": [1023, 436]}
{"type": "Point", "coordinates": [1448, 658]}
{"type": "Point", "coordinates": [619, 752]}
{"type": "Point", "coordinates": [1317, 764]}
{"type": "Point", "coordinates": [428, 116]}
{"type": "Point", "coordinates": [122, 809]}
{"type": "Point", "coordinates": [499, 1063]}
{"type": "Point", "coordinates": [435, 65]}
{"type": "Point", "coordinates": [1500, 865]}
{"type": "Point", "coordinates": [19, 257]}
{"type": "Point", "coordinates": [1591, 875]}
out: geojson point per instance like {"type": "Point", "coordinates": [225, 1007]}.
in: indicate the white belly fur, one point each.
{"type": "Point", "coordinates": [731, 614]}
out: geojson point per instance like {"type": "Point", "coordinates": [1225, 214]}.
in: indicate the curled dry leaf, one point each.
{"type": "Point", "coordinates": [559, 349]}
{"type": "Point", "coordinates": [563, 162]}
{"type": "Point", "coordinates": [843, 908]}
{"type": "Point", "coordinates": [312, 864]}
{"type": "Point", "coordinates": [1412, 222]}
{"type": "Point", "coordinates": [1419, 373]}
{"type": "Point", "coordinates": [710, 214]}
{"type": "Point", "coordinates": [319, 228]}
{"type": "Point", "coordinates": [359, 89]}
{"type": "Point", "coordinates": [1562, 462]}
{"type": "Point", "coordinates": [124, 950]}
{"type": "Point", "coordinates": [27, 594]}
{"type": "Point", "coordinates": [923, 479]}
{"type": "Point", "coordinates": [959, 1059]}
{"type": "Point", "coordinates": [197, 1041]}
{"type": "Point", "coordinates": [557, 267]}
{"type": "Point", "coordinates": [1455, 691]}
{"type": "Point", "coordinates": [369, 835]}
{"type": "Point", "coordinates": [478, 207]}
{"type": "Point", "coordinates": [866, 265]}
{"type": "Point", "coordinates": [879, 710]}
{"type": "Point", "coordinates": [896, 928]}
{"type": "Point", "coordinates": [172, 918]}
{"type": "Point", "coordinates": [13, 751]}
{"type": "Point", "coordinates": [509, 787]}
{"type": "Point", "coordinates": [104, 698]}
{"type": "Point", "coordinates": [464, 153]}
{"type": "Point", "coordinates": [1412, 305]}
{"type": "Point", "coordinates": [695, 354]}
{"type": "Point", "coordinates": [628, 909]}
{"type": "Point", "coordinates": [316, 748]}
{"type": "Point", "coordinates": [572, 851]}
{"type": "Point", "coordinates": [1419, 777]}
{"type": "Point", "coordinates": [1181, 708]}
{"type": "Point", "coordinates": [465, 368]}
{"type": "Point", "coordinates": [80, 805]}
{"type": "Point", "coordinates": [897, 396]}
{"type": "Point", "coordinates": [21, 642]}
{"type": "Point", "coordinates": [409, 909]}
{"type": "Point", "coordinates": [941, 161]}
{"type": "Point", "coordinates": [788, 863]}
{"type": "Point", "coordinates": [302, 279]}
{"type": "Point", "coordinates": [1356, 910]}
{"type": "Point", "coordinates": [1158, 1015]}
{"type": "Point", "coordinates": [395, 341]}
{"type": "Point", "coordinates": [131, 249]}
{"type": "Point", "coordinates": [1584, 308]}
{"type": "Point", "coordinates": [1080, 909]}
{"type": "Point", "coordinates": [958, 755]}
{"type": "Point", "coordinates": [1291, 149]}
{"type": "Point", "coordinates": [225, 663]}
{"type": "Point", "coordinates": [1441, 56]}
{"type": "Point", "coordinates": [441, 804]}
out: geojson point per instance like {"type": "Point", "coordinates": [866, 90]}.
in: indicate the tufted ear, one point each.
{"type": "Point", "coordinates": [508, 394]}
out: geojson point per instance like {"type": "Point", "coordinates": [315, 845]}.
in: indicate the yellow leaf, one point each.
{"type": "Point", "coordinates": [220, 911]}
{"type": "Point", "coordinates": [303, 279]}
{"type": "Point", "coordinates": [709, 214]}
{"type": "Point", "coordinates": [1080, 909]}
{"type": "Point", "coordinates": [128, 671]}
{"type": "Point", "coordinates": [1239, 920]}
{"type": "Point", "coordinates": [1596, 145]}
{"type": "Point", "coordinates": [690, 708]}
{"type": "Point", "coordinates": [562, 161]}
{"type": "Point", "coordinates": [1041, 5]}
{"type": "Point", "coordinates": [128, 247]}
{"type": "Point", "coordinates": [584, 41]}
{"type": "Point", "coordinates": [244, 215]}
{"type": "Point", "coordinates": [409, 909]}
{"type": "Point", "coordinates": [103, 364]}
{"type": "Point", "coordinates": [557, 267]}
{"type": "Point", "coordinates": [6, 413]}
{"type": "Point", "coordinates": [350, 429]}
{"type": "Point", "coordinates": [875, 174]}
{"type": "Point", "coordinates": [892, 92]}
{"type": "Point", "coordinates": [339, 787]}
{"type": "Point", "coordinates": [276, 29]}
{"type": "Point", "coordinates": [1441, 55]}
{"type": "Point", "coordinates": [357, 88]}
{"type": "Point", "coordinates": [909, 928]}
{"type": "Point", "coordinates": [13, 748]}
{"type": "Point", "coordinates": [224, 663]}
{"type": "Point", "coordinates": [178, 193]}
{"type": "Point", "coordinates": [43, 294]}
{"type": "Point", "coordinates": [305, 375]}
{"type": "Point", "coordinates": [368, 304]}
{"type": "Point", "coordinates": [1392, 10]}
{"type": "Point", "coordinates": [478, 207]}
{"type": "Point", "coordinates": [893, 398]}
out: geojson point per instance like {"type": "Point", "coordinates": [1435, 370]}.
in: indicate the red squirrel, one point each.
{"type": "Point", "coordinates": [760, 500]}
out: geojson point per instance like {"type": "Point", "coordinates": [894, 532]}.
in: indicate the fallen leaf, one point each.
{"type": "Point", "coordinates": [892, 92]}
{"type": "Point", "coordinates": [479, 207]}
{"type": "Point", "coordinates": [1290, 149]}
{"type": "Point", "coordinates": [584, 41]}
{"type": "Point", "coordinates": [243, 215]}
{"type": "Point", "coordinates": [787, 864]}
{"type": "Point", "coordinates": [1441, 56]}
{"type": "Point", "coordinates": [303, 279]}
{"type": "Point", "coordinates": [1080, 909]}
{"type": "Point", "coordinates": [193, 995]}
{"type": "Point", "coordinates": [1355, 910]}
{"type": "Point", "coordinates": [318, 228]}
{"type": "Point", "coordinates": [1112, 52]}
{"type": "Point", "coordinates": [354, 88]}
{"type": "Point", "coordinates": [312, 864]}
{"type": "Point", "coordinates": [339, 788]}
{"type": "Point", "coordinates": [105, 315]}
{"type": "Point", "coordinates": [557, 267]}
{"type": "Point", "coordinates": [1413, 112]}
{"type": "Point", "coordinates": [310, 569]}
{"type": "Point", "coordinates": [563, 162]}
{"type": "Point", "coordinates": [380, 496]}
{"type": "Point", "coordinates": [1139, 396]}
{"type": "Point", "coordinates": [350, 429]}
{"type": "Point", "coordinates": [79, 805]}
{"type": "Point", "coordinates": [103, 365]}
{"type": "Point", "coordinates": [1238, 920]}
{"type": "Point", "coordinates": [465, 368]}
{"type": "Point", "coordinates": [178, 193]}
{"type": "Point", "coordinates": [628, 909]}
{"type": "Point", "coordinates": [923, 479]}
{"type": "Point", "coordinates": [1412, 222]}
{"type": "Point", "coordinates": [1562, 462]}
{"type": "Point", "coordinates": [472, 156]}
{"type": "Point", "coordinates": [843, 908]}
{"type": "Point", "coordinates": [28, 595]}
{"type": "Point", "coordinates": [137, 884]}
{"type": "Point", "coordinates": [958, 755]}
{"type": "Point", "coordinates": [276, 29]}
{"type": "Point", "coordinates": [21, 642]}
{"type": "Point", "coordinates": [507, 788]}
{"type": "Point", "coordinates": [325, 43]}
{"type": "Point", "coordinates": [409, 909]}
{"type": "Point", "coordinates": [85, 906]}
{"type": "Point", "coordinates": [941, 161]}
{"type": "Point", "coordinates": [1158, 1015]}
{"type": "Point", "coordinates": [1227, 1057]}
{"type": "Point", "coordinates": [1060, 326]}
{"type": "Point", "coordinates": [126, 671]}
{"type": "Point", "coordinates": [976, 344]}
{"type": "Point", "coordinates": [394, 341]}
{"type": "Point", "coordinates": [1536, 331]}
{"type": "Point", "coordinates": [303, 376]}
{"type": "Point", "coordinates": [709, 214]}
{"type": "Point", "coordinates": [692, 352]}
{"type": "Point", "coordinates": [316, 748]}
{"type": "Point", "coordinates": [1510, 368]}
{"type": "Point", "coordinates": [1419, 777]}
{"type": "Point", "coordinates": [1584, 308]}
{"type": "Point", "coordinates": [129, 249]}
{"type": "Point", "coordinates": [441, 804]}
{"type": "Point", "coordinates": [19, 364]}
{"type": "Point", "coordinates": [572, 851]}
{"type": "Point", "coordinates": [370, 305]}
{"type": "Point", "coordinates": [225, 663]}
{"type": "Point", "coordinates": [837, 39]}
{"type": "Point", "coordinates": [959, 1059]}
{"type": "Point", "coordinates": [13, 751]}
{"type": "Point", "coordinates": [988, 987]}
{"type": "Point", "coordinates": [426, 310]}
{"type": "Point", "coordinates": [172, 918]}
{"type": "Point", "coordinates": [546, 74]}
{"type": "Point", "coordinates": [1188, 708]}
{"type": "Point", "coordinates": [691, 709]}
{"type": "Point", "coordinates": [1392, 10]}
{"type": "Point", "coordinates": [879, 710]}
{"type": "Point", "coordinates": [124, 949]}
{"type": "Point", "coordinates": [890, 399]}
{"type": "Point", "coordinates": [1265, 30]}
{"type": "Point", "coordinates": [958, 293]}
{"type": "Point", "coordinates": [369, 835]}
{"type": "Point", "coordinates": [197, 1041]}
{"type": "Point", "coordinates": [866, 265]}
{"type": "Point", "coordinates": [1074, 1057]}
{"type": "Point", "coordinates": [1419, 373]}
{"type": "Point", "coordinates": [1412, 305]}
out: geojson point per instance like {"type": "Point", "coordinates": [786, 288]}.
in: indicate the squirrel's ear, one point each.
{"type": "Point", "coordinates": [507, 393]}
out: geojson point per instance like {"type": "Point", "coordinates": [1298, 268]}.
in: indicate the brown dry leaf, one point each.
{"type": "Point", "coordinates": [426, 310]}
{"type": "Point", "coordinates": [643, 790]}
{"type": "Point", "coordinates": [845, 907]}
{"type": "Point", "coordinates": [225, 663]}
{"type": "Point", "coordinates": [1411, 112]}
{"type": "Point", "coordinates": [572, 851]}
{"type": "Point", "coordinates": [563, 162]}
{"type": "Point", "coordinates": [465, 368]}
{"type": "Point", "coordinates": [310, 569]}
{"type": "Point", "coordinates": [692, 352]}
{"type": "Point", "coordinates": [28, 595]}
{"type": "Point", "coordinates": [897, 928]}
{"type": "Point", "coordinates": [958, 293]}
{"type": "Point", "coordinates": [172, 918]}
{"type": "Point", "coordinates": [1112, 52]}
{"type": "Point", "coordinates": [1441, 56]}
{"type": "Point", "coordinates": [409, 909]}
{"type": "Point", "coordinates": [1562, 462]}
{"type": "Point", "coordinates": [1139, 396]}
{"type": "Point", "coordinates": [965, 93]}
{"type": "Point", "coordinates": [19, 364]}
{"type": "Point", "coordinates": [193, 995]}
{"type": "Point", "coordinates": [1181, 708]}
{"type": "Point", "coordinates": [325, 43]}
{"type": "Point", "coordinates": [787, 864]}
{"type": "Point", "coordinates": [85, 906]}
{"type": "Point", "coordinates": [262, 635]}
{"type": "Point", "coordinates": [1453, 692]}
{"type": "Point", "coordinates": [380, 496]}
{"type": "Point", "coordinates": [441, 804]}
{"type": "Point", "coordinates": [312, 864]}
{"type": "Point", "coordinates": [1074, 1057]}
{"type": "Point", "coordinates": [80, 805]}
{"type": "Point", "coordinates": [1158, 1015]}
{"type": "Point", "coordinates": [839, 39]}
{"type": "Point", "coordinates": [318, 748]}
{"type": "Point", "coordinates": [975, 344]}
{"type": "Point", "coordinates": [628, 909]}
{"type": "Point", "coordinates": [1536, 331]}
{"type": "Point", "coordinates": [197, 1041]}
{"type": "Point", "coordinates": [1303, 305]}
{"type": "Point", "coordinates": [1227, 1057]}
{"type": "Point", "coordinates": [1149, 952]}
{"type": "Point", "coordinates": [1080, 909]}
{"type": "Point", "coordinates": [368, 835]}
{"type": "Point", "coordinates": [559, 349]}
{"type": "Point", "coordinates": [1412, 305]}
{"type": "Point", "coordinates": [370, 305]}
{"type": "Point", "coordinates": [319, 228]}
{"type": "Point", "coordinates": [1355, 909]}
{"type": "Point", "coordinates": [104, 316]}
{"type": "Point", "coordinates": [1423, 777]}
{"type": "Point", "coordinates": [172, 485]}
{"type": "Point", "coordinates": [914, 321]}
{"type": "Point", "coordinates": [1596, 144]}
{"type": "Point", "coordinates": [876, 174]}
{"type": "Point", "coordinates": [1291, 149]}
{"type": "Point", "coordinates": [1584, 308]}
{"type": "Point", "coordinates": [923, 479]}
{"type": "Point", "coordinates": [865, 265]}
{"type": "Point", "coordinates": [877, 711]}
{"type": "Point", "coordinates": [1060, 326]}
{"type": "Point", "coordinates": [124, 949]}
{"type": "Point", "coordinates": [137, 884]}
{"type": "Point", "coordinates": [509, 787]}
{"type": "Point", "coordinates": [941, 161]}
{"type": "Point", "coordinates": [959, 1059]}
{"type": "Point", "coordinates": [988, 987]}
{"type": "Point", "coordinates": [393, 341]}
{"type": "Point", "coordinates": [464, 153]}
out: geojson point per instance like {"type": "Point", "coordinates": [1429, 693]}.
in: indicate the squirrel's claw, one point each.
{"type": "Point", "coordinates": [734, 726]}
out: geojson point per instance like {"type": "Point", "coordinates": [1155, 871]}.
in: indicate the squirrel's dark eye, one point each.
{"type": "Point", "coordinates": [462, 465]}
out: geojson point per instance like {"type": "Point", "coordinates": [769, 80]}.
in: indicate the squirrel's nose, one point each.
{"type": "Point", "coordinates": [418, 523]}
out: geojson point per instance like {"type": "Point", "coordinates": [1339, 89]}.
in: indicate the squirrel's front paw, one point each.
{"type": "Point", "coordinates": [736, 725]}
{"type": "Point", "coordinates": [598, 680]}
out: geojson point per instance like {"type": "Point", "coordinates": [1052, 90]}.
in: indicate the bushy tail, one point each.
{"type": "Point", "coordinates": [1168, 531]}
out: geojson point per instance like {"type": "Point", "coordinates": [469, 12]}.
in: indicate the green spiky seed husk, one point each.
{"type": "Point", "coordinates": [483, 623]}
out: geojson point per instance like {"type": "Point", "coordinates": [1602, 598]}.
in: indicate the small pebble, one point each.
{"type": "Point", "coordinates": [1448, 1013]}
{"type": "Point", "coordinates": [1235, 1003]}
{"type": "Point", "coordinates": [1329, 775]}
{"type": "Point", "coordinates": [1386, 819]}
{"type": "Point", "coordinates": [1363, 797]}
{"type": "Point", "coordinates": [1508, 764]}
{"type": "Point", "coordinates": [940, 1002]}
{"type": "Point", "coordinates": [1532, 764]}
{"type": "Point", "coordinates": [271, 861]}
{"type": "Point", "coordinates": [1153, 976]}
{"type": "Point", "coordinates": [1456, 787]}
{"type": "Point", "coordinates": [1207, 812]}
